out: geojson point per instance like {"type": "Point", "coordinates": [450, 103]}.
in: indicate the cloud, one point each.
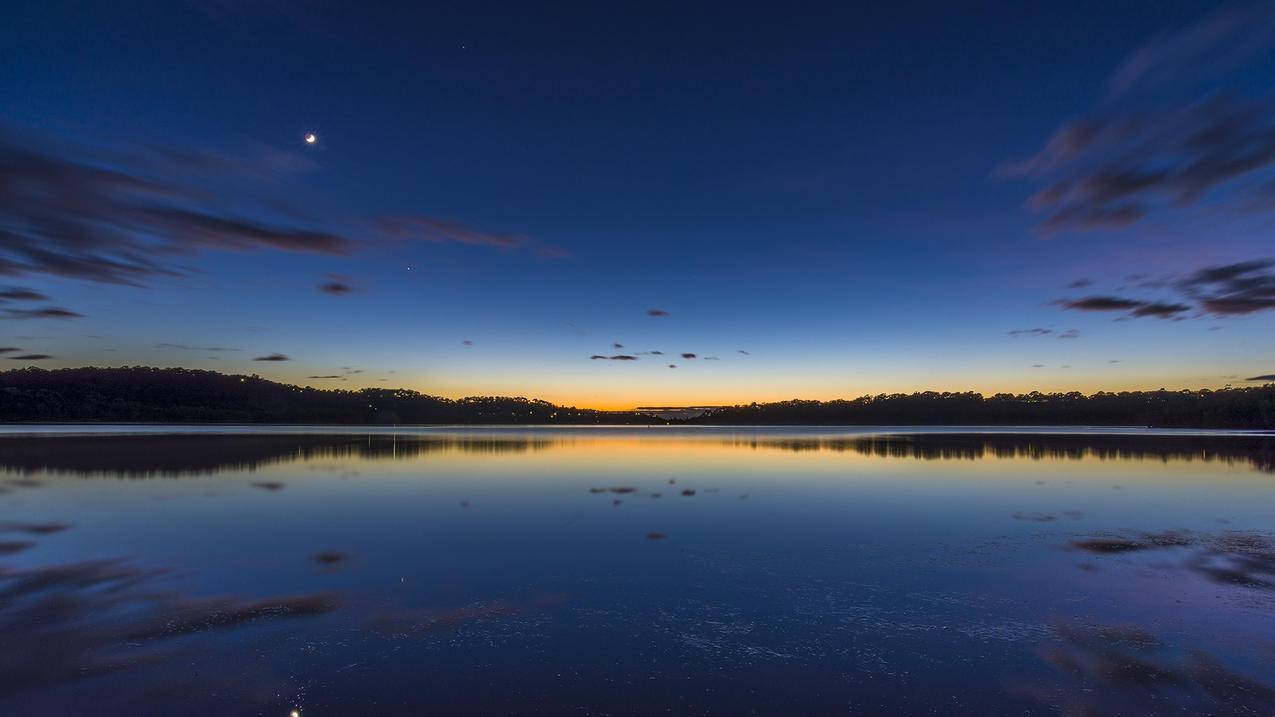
{"type": "Point", "coordinates": [617, 345]}
{"type": "Point", "coordinates": [1240, 288]}
{"type": "Point", "coordinates": [1263, 377]}
{"type": "Point", "coordinates": [618, 357]}
{"type": "Point", "coordinates": [711, 358]}
{"type": "Point", "coordinates": [1080, 284]}
{"type": "Point", "coordinates": [1029, 332]}
{"type": "Point", "coordinates": [115, 219]}
{"type": "Point", "coordinates": [741, 351]}
{"type": "Point", "coordinates": [1159, 139]}
{"type": "Point", "coordinates": [49, 312]}
{"type": "Point", "coordinates": [8, 349]}
{"type": "Point", "coordinates": [1101, 303]}
{"type": "Point", "coordinates": [337, 285]}
{"type": "Point", "coordinates": [688, 356]}
{"type": "Point", "coordinates": [19, 293]}
{"type": "Point", "coordinates": [419, 227]}
{"type": "Point", "coordinates": [272, 357]}
{"type": "Point", "coordinates": [467, 342]}
{"type": "Point", "coordinates": [1233, 289]}
{"type": "Point", "coordinates": [342, 378]}
{"type": "Point", "coordinates": [184, 347]}
{"type": "Point", "coordinates": [1160, 310]}
{"type": "Point", "coordinates": [1217, 44]}
{"type": "Point", "coordinates": [30, 357]}
{"type": "Point", "coordinates": [1069, 334]}
{"type": "Point", "coordinates": [672, 365]}
{"type": "Point", "coordinates": [657, 312]}
{"type": "Point", "coordinates": [1134, 307]}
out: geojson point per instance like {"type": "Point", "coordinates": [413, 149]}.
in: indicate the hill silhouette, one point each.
{"type": "Point", "coordinates": [196, 396]}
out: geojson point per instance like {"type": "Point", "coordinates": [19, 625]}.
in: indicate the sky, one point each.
{"type": "Point", "coordinates": [812, 201]}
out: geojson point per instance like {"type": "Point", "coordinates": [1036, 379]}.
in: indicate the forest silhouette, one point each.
{"type": "Point", "coordinates": [143, 394]}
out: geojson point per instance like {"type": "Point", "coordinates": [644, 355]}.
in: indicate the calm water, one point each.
{"type": "Point", "coordinates": [636, 571]}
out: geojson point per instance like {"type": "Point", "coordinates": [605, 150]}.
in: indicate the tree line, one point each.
{"type": "Point", "coordinates": [1240, 408]}
{"type": "Point", "coordinates": [180, 395]}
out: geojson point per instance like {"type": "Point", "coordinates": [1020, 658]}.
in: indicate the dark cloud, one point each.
{"type": "Point", "coordinates": [48, 312]}
{"type": "Point", "coordinates": [1101, 303]}
{"type": "Point", "coordinates": [1132, 156]}
{"type": "Point", "coordinates": [9, 349]}
{"type": "Point", "coordinates": [272, 357]}
{"type": "Point", "coordinates": [617, 357]}
{"type": "Point", "coordinates": [1160, 310]}
{"type": "Point", "coordinates": [1240, 288]}
{"type": "Point", "coordinates": [342, 378]}
{"type": "Point", "coordinates": [19, 293]}
{"type": "Point", "coordinates": [1233, 289]}
{"type": "Point", "coordinates": [617, 345]}
{"type": "Point", "coordinates": [741, 351]}
{"type": "Point", "coordinates": [30, 357]}
{"type": "Point", "coordinates": [1134, 307]}
{"type": "Point", "coordinates": [672, 365]}
{"type": "Point", "coordinates": [657, 312]}
{"type": "Point", "coordinates": [1029, 332]}
{"type": "Point", "coordinates": [337, 285]}
{"type": "Point", "coordinates": [184, 347]}
{"type": "Point", "coordinates": [688, 356]}
{"type": "Point", "coordinates": [1264, 377]}
{"type": "Point", "coordinates": [120, 221]}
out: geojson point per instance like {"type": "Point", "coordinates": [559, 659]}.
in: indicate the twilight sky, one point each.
{"type": "Point", "coordinates": [508, 200]}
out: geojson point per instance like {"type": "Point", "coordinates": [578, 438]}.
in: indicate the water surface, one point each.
{"type": "Point", "coordinates": [601, 571]}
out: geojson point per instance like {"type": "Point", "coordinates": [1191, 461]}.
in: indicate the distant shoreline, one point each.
{"type": "Point", "coordinates": [155, 396]}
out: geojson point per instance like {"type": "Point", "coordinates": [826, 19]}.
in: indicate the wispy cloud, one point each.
{"type": "Point", "coordinates": [49, 312]}
{"type": "Point", "coordinates": [1158, 141]}
{"type": "Point", "coordinates": [1240, 288]}
{"type": "Point", "coordinates": [107, 218]}
{"type": "Point", "coordinates": [1132, 307]}
{"type": "Point", "coordinates": [418, 227]}
{"type": "Point", "coordinates": [273, 357]}
{"type": "Point", "coordinates": [20, 293]}
{"type": "Point", "coordinates": [1236, 289]}
{"type": "Point", "coordinates": [617, 357]}
{"type": "Point", "coordinates": [1016, 333]}
{"type": "Point", "coordinates": [184, 347]}
{"type": "Point", "coordinates": [657, 312]}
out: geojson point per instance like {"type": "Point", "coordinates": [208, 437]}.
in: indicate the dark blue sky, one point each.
{"type": "Point", "coordinates": [824, 187]}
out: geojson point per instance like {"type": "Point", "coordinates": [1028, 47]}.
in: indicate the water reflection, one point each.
{"type": "Point", "coordinates": [169, 456]}
{"type": "Point", "coordinates": [536, 572]}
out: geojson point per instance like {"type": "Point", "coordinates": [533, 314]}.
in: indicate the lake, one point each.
{"type": "Point", "coordinates": [631, 571]}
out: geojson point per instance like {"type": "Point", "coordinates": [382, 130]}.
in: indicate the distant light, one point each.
{"type": "Point", "coordinates": [310, 139]}
{"type": "Point", "coordinates": [297, 713]}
